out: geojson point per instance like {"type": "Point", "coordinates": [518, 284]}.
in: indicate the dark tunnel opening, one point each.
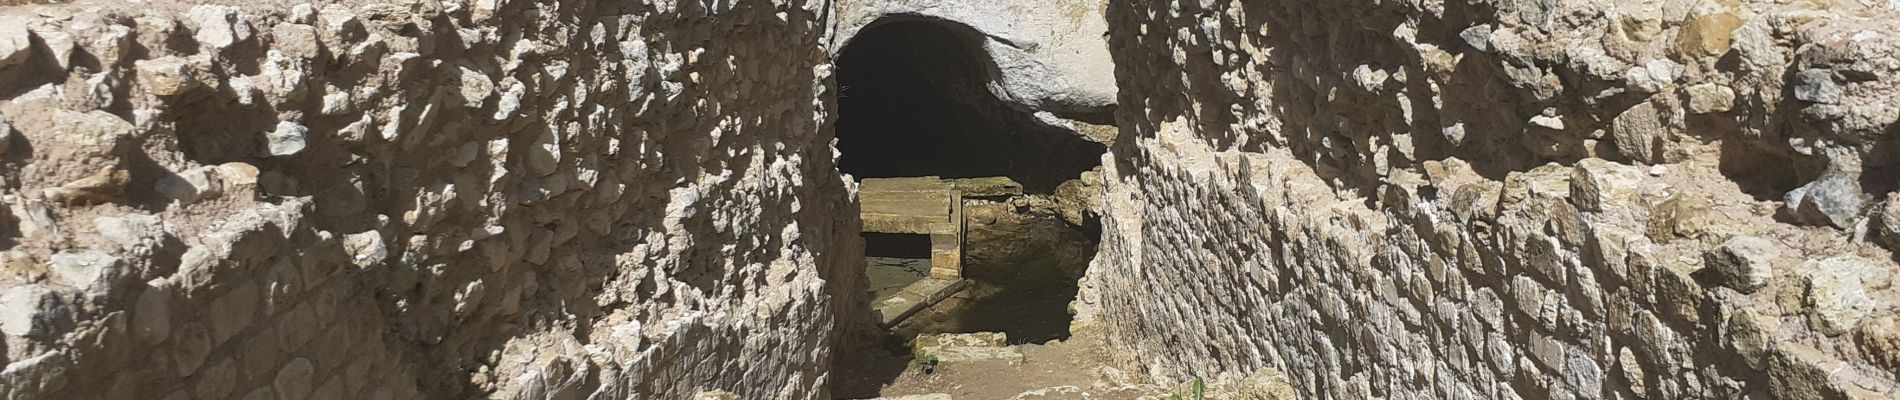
{"type": "Point", "coordinates": [916, 102]}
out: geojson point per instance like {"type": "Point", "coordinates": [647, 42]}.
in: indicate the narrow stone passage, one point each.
{"type": "Point", "coordinates": [916, 112]}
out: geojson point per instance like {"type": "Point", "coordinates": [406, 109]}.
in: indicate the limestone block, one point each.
{"type": "Point", "coordinates": [27, 310]}
{"type": "Point", "coordinates": [190, 186]}
{"type": "Point", "coordinates": [1708, 32]}
{"type": "Point", "coordinates": [38, 376]}
{"type": "Point", "coordinates": [89, 271]}
{"type": "Point", "coordinates": [16, 43]}
{"type": "Point", "coordinates": [1743, 262]}
{"type": "Point", "coordinates": [1837, 291]}
{"type": "Point", "coordinates": [1880, 338]}
{"type": "Point", "coordinates": [219, 27]}
{"type": "Point", "coordinates": [287, 139]}
{"type": "Point", "coordinates": [1640, 133]}
{"type": "Point", "coordinates": [1887, 223]}
{"type": "Point", "coordinates": [168, 76]}
{"type": "Point", "coordinates": [1710, 98]}
{"type": "Point", "coordinates": [962, 347]}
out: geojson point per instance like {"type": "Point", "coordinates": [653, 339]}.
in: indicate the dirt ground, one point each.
{"type": "Point", "coordinates": [1072, 369]}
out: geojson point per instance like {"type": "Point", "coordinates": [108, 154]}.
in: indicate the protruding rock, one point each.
{"type": "Point", "coordinates": [1640, 132]}
{"type": "Point", "coordinates": [104, 186]}
{"type": "Point", "coordinates": [1837, 295]}
{"type": "Point", "coordinates": [135, 233]}
{"type": "Point", "coordinates": [191, 185]}
{"type": "Point", "coordinates": [1880, 339]}
{"type": "Point", "coordinates": [167, 76]}
{"type": "Point", "coordinates": [296, 40]}
{"type": "Point", "coordinates": [1887, 223]}
{"type": "Point", "coordinates": [476, 87]}
{"type": "Point", "coordinates": [1817, 86]}
{"type": "Point", "coordinates": [237, 175]}
{"type": "Point", "coordinates": [1596, 182]}
{"type": "Point", "coordinates": [1834, 199]}
{"type": "Point", "coordinates": [27, 310]}
{"type": "Point", "coordinates": [218, 26]}
{"type": "Point", "coordinates": [1707, 33]}
{"type": "Point", "coordinates": [287, 139]}
{"type": "Point", "coordinates": [366, 248]}
{"type": "Point", "coordinates": [151, 315]}
{"type": "Point", "coordinates": [1710, 98]}
{"type": "Point", "coordinates": [6, 137]}
{"type": "Point", "coordinates": [16, 42]}
{"type": "Point", "coordinates": [91, 271]}
{"type": "Point", "coordinates": [1679, 216]}
{"type": "Point", "coordinates": [1743, 262]}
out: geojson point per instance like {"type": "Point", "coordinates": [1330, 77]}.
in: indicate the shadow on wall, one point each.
{"type": "Point", "coordinates": [915, 102]}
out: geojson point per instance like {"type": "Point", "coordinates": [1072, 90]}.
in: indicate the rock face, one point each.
{"type": "Point", "coordinates": [421, 199]}
{"type": "Point", "coordinates": [1519, 199]}
{"type": "Point", "coordinates": [1051, 55]}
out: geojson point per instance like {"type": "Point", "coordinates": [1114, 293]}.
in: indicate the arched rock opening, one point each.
{"type": "Point", "coordinates": [915, 101]}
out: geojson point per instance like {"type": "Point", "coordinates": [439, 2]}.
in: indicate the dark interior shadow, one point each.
{"type": "Point", "coordinates": [915, 101]}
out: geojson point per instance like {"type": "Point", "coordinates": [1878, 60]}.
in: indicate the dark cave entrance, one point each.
{"type": "Point", "coordinates": [915, 101]}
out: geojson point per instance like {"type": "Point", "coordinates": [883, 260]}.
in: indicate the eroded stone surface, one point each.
{"type": "Point", "coordinates": [1523, 200]}
{"type": "Point", "coordinates": [421, 200]}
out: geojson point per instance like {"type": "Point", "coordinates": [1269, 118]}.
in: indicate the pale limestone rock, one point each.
{"type": "Point", "coordinates": [39, 376]}
{"type": "Point", "coordinates": [1880, 338]}
{"type": "Point", "coordinates": [168, 76]}
{"type": "Point", "coordinates": [288, 139]}
{"type": "Point", "coordinates": [1743, 262]}
{"type": "Point", "coordinates": [1710, 98]}
{"type": "Point", "coordinates": [1708, 32]}
{"type": "Point", "coordinates": [90, 271]}
{"type": "Point", "coordinates": [191, 185]}
{"type": "Point", "coordinates": [1640, 133]}
{"type": "Point", "coordinates": [963, 347]}
{"type": "Point", "coordinates": [218, 27]}
{"type": "Point", "coordinates": [1050, 55]}
{"type": "Point", "coordinates": [62, 45]}
{"type": "Point", "coordinates": [296, 40]}
{"type": "Point", "coordinates": [16, 42]}
{"type": "Point", "coordinates": [134, 233]}
{"type": "Point", "coordinates": [6, 136]}
{"type": "Point", "coordinates": [1838, 291]}
{"type": "Point", "coordinates": [476, 87]}
{"type": "Point", "coordinates": [237, 175]}
{"type": "Point", "coordinates": [27, 310]}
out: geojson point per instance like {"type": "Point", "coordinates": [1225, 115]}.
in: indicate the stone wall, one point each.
{"type": "Point", "coordinates": [1506, 199]}
{"type": "Point", "coordinates": [442, 199]}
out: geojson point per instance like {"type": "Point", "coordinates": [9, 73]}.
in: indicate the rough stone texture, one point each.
{"type": "Point", "coordinates": [441, 199]}
{"type": "Point", "coordinates": [1051, 55]}
{"type": "Point", "coordinates": [1480, 199]}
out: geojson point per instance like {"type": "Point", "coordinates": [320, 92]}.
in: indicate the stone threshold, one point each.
{"type": "Point", "coordinates": [913, 298]}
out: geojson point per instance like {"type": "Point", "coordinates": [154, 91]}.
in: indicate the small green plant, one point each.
{"type": "Point", "coordinates": [1200, 390]}
{"type": "Point", "coordinates": [928, 364]}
